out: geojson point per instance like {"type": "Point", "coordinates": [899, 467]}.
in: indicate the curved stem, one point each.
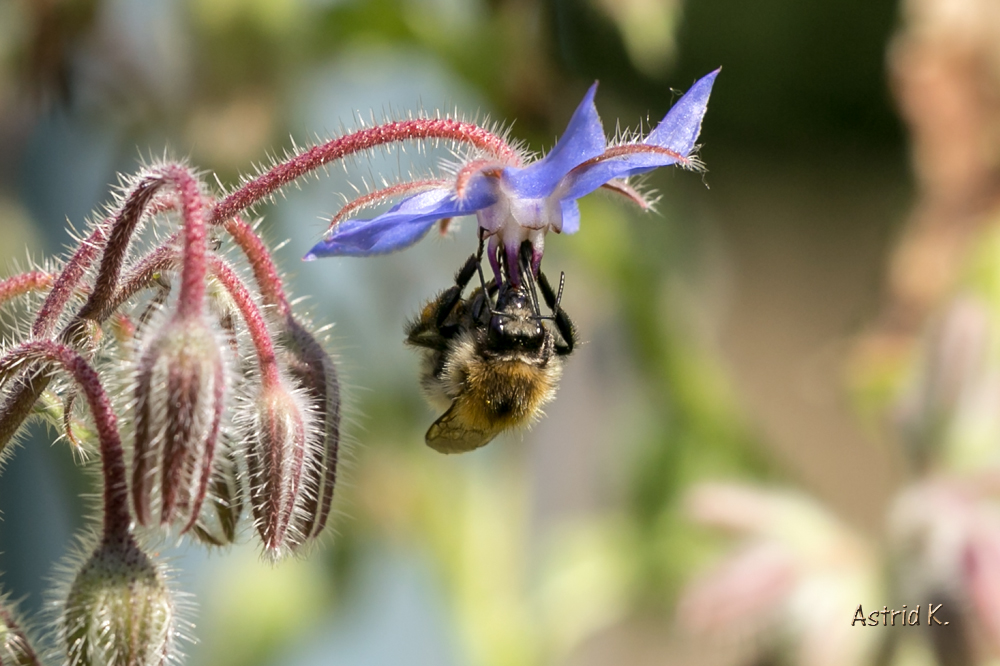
{"type": "Point", "coordinates": [192, 296]}
{"type": "Point", "coordinates": [264, 270]}
{"type": "Point", "coordinates": [253, 318]}
{"type": "Point", "coordinates": [117, 518]}
{"type": "Point", "coordinates": [122, 227]}
{"type": "Point", "coordinates": [67, 281]}
{"type": "Point", "coordinates": [398, 131]}
{"type": "Point", "coordinates": [24, 283]}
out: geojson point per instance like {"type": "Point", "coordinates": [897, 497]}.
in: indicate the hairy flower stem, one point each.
{"type": "Point", "coordinates": [24, 283]}
{"type": "Point", "coordinates": [192, 294]}
{"type": "Point", "coordinates": [114, 242]}
{"type": "Point", "coordinates": [398, 131]}
{"type": "Point", "coordinates": [254, 319]}
{"type": "Point", "coordinates": [116, 248]}
{"type": "Point", "coordinates": [21, 399]}
{"type": "Point", "coordinates": [264, 270]}
{"type": "Point", "coordinates": [67, 282]}
{"type": "Point", "coordinates": [117, 518]}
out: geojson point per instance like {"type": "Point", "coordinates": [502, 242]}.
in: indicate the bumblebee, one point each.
{"type": "Point", "coordinates": [490, 360]}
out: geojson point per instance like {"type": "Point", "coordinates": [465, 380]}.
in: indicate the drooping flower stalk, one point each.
{"type": "Point", "coordinates": [308, 364]}
{"type": "Point", "coordinates": [265, 272]}
{"type": "Point", "coordinates": [181, 383]}
{"type": "Point", "coordinates": [117, 519]}
{"type": "Point", "coordinates": [416, 129]}
{"type": "Point", "coordinates": [112, 239]}
{"type": "Point", "coordinates": [253, 318]}
{"type": "Point", "coordinates": [291, 443]}
{"type": "Point", "coordinates": [67, 281]}
{"type": "Point", "coordinates": [24, 283]}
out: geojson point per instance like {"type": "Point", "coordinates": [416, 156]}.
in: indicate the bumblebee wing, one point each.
{"type": "Point", "coordinates": [455, 432]}
{"type": "Point", "coordinates": [427, 337]}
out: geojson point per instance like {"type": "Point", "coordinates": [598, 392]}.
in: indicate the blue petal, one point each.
{"type": "Point", "coordinates": [583, 140]}
{"type": "Point", "coordinates": [680, 127]}
{"type": "Point", "coordinates": [404, 224]}
{"type": "Point", "coordinates": [677, 132]}
{"type": "Point", "coordinates": [570, 216]}
{"type": "Point", "coordinates": [362, 238]}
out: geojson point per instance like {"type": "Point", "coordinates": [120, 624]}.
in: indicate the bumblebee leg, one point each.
{"type": "Point", "coordinates": [488, 289]}
{"type": "Point", "coordinates": [563, 323]}
{"type": "Point", "coordinates": [430, 329]}
{"type": "Point", "coordinates": [452, 295]}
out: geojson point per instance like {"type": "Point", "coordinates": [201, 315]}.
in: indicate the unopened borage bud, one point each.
{"type": "Point", "coordinates": [277, 450]}
{"type": "Point", "coordinates": [119, 610]}
{"type": "Point", "coordinates": [180, 397]}
{"type": "Point", "coordinates": [316, 374]}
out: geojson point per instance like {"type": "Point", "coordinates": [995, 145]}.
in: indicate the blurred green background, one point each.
{"type": "Point", "coordinates": [713, 329]}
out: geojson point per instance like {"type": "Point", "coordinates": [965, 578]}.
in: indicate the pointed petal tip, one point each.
{"type": "Point", "coordinates": [706, 81]}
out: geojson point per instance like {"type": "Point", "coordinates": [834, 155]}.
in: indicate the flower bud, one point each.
{"type": "Point", "coordinates": [276, 454]}
{"type": "Point", "coordinates": [180, 396]}
{"type": "Point", "coordinates": [15, 648]}
{"type": "Point", "coordinates": [314, 371]}
{"type": "Point", "coordinates": [119, 611]}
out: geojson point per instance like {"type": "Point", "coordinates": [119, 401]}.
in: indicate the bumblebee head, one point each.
{"type": "Point", "coordinates": [514, 325]}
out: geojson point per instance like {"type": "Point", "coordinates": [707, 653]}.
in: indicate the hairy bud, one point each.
{"type": "Point", "coordinates": [314, 371]}
{"type": "Point", "coordinates": [180, 397]}
{"type": "Point", "coordinates": [15, 648]}
{"type": "Point", "coordinates": [119, 611]}
{"type": "Point", "coordinates": [276, 459]}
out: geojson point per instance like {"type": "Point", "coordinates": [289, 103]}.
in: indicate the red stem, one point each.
{"type": "Point", "coordinates": [264, 270]}
{"type": "Point", "coordinates": [295, 167]}
{"type": "Point", "coordinates": [122, 228]}
{"type": "Point", "coordinates": [192, 296]}
{"type": "Point", "coordinates": [66, 283]}
{"type": "Point", "coordinates": [18, 285]}
{"type": "Point", "coordinates": [253, 318]}
{"type": "Point", "coordinates": [117, 519]}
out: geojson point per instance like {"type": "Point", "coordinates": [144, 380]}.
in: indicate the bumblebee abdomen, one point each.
{"type": "Point", "coordinates": [512, 392]}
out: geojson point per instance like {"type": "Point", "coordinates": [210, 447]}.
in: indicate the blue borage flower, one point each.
{"type": "Point", "coordinates": [516, 203]}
